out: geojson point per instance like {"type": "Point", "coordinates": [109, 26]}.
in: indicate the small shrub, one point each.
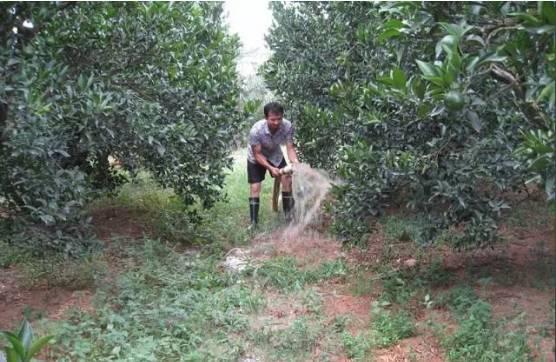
{"type": "Point", "coordinates": [478, 339]}
{"type": "Point", "coordinates": [11, 254]}
{"type": "Point", "coordinates": [355, 346]}
{"type": "Point", "coordinates": [388, 327]}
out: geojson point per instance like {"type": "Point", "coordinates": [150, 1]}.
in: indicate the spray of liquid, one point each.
{"type": "Point", "coordinates": [310, 187]}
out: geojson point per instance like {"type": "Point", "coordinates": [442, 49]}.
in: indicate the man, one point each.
{"type": "Point", "coordinates": [264, 153]}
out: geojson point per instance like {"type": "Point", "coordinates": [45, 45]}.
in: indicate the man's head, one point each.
{"type": "Point", "coordinates": [273, 113]}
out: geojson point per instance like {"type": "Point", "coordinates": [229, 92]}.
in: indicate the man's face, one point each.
{"type": "Point", "coordinates": [274, 120]}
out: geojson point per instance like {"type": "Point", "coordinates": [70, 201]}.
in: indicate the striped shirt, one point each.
{"type": "Point", "coordinates": [270, 143]}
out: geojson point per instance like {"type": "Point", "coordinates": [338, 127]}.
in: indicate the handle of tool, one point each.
{"type": "Point", "coordinates": [275, 194]}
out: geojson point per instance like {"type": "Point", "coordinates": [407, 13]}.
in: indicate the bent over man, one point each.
{"type": "Point", "coordinates": [264, 153]}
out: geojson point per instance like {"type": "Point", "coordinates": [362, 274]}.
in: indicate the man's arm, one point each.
{"type": "Point", "coordinates": [292, 154]}
{"type": "Point", "coordinates": [261, 160]}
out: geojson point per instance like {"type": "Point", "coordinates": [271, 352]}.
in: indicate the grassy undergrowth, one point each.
{"type": "Point", "coordinates": [166, 217]}
{"type": "Point", "coordinates": [166, 304]}
{"type": "Point", "coordinates": [478, 336]}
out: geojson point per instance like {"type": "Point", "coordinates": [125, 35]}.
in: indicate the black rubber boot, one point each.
{"type": "Point", "coordinates": [287, 204]}
{"type": "Point", "coordinates": [254, 210]}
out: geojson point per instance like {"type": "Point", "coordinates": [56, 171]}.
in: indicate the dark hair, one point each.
{"type": "Point", "coordinates": [273, 107]}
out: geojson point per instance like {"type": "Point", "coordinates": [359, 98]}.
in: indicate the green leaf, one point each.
{"type": "Point", "coordinates": [548, 93]}
{"type": "Point", "coordinates": [38, 345]}
{"type": "Point", "coordinates": [474, 120]}
{"type": "Point", "coordinates": [428, 70]}
{"type": "Point", "coordinates": [26, 334]}
{"type": "Point", "coordinates": [470, 68]}
{"type": "Point", "coordinates": [11, 355]}
{"type": "Point", "coordinates": [15, 342]}
{"type": "Point", "coordinates": [527, 18]}
{"type": "Point", "coordinates": [547, 11]}
{"type": "Point", "coordinates": [450, 41]}
{"type": "Point", "coordinates": [399, 78]}
{"type": "Point", "coordinates": [475, 38]}
{"type": "Point", "coordinates": [393, 24]}
{"type": "Point", "coordinates": [160, 149]}
{"type": "Point", "coordinates": [457, 30]}
{"type": "Point", "coordinates": [418, 88]}
{"type": "Point", "coordinates": [387, 34]}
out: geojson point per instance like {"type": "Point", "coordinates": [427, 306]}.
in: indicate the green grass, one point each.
{"type": "Point", "coordinates": [478, 338]}
{"type": "Point", "coordinates": [12, 254]}
{"type": "Point", "coordinates": [361, 283]}
{"type": "Point", "coordinates": [283, 273]}
{"type": "Point", "coordinates": [221, 227]}
{"type": "Point", "coordinates": [356, 347]}
{"type": "Point", "coordinates": [458, 299]}
{"type": "Point", "coordinates": [161, 211]}
{"type": "Point", "coordinates": [387, 328]}
{"type": "Point", "coordinates": [53, 270]}
{"type": "Point", "coordinates": [165, 306]}
{"type": "Point", "coordinates": [226, 223]}
{"type": "Point", "coordinates": [169, 305]}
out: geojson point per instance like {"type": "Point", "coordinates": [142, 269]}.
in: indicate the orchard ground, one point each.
{"type": "Point", "coordinates": [159, 290]}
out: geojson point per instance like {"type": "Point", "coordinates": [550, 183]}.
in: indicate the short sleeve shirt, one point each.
{"type": "Point", "coordinates": [270, 143]}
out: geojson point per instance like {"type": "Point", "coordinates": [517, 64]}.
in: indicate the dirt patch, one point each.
{"type": "Point", "coordinates": [522, 247]}
{"type": "Point", "coordinates": [530, 306]}
{"type": "Point", "coordinates": [358, 308]}
{"type": "Point", "coordinates": [53, 302]}
{"type": "Point", "coordinates": [419, 348]}
{"type": "Point", "coordinates": [112, 221]}
{"type": "Point", "coordinates": [38, 303]}
{"type": "Point", "coordinates": [308, 248]}
{"type": "Point", "coordinates": [280, 312]}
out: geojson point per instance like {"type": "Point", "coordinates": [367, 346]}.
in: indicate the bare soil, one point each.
{"type": "Point", "coordinates": [42, 301]}
{"type": "Point", "coordinates": [37, 302]}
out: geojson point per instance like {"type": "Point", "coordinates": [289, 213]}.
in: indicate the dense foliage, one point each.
{"type": "Point", "coordinates": [439, 107]}
{"type": "Point", "coordinates": [152, 85]}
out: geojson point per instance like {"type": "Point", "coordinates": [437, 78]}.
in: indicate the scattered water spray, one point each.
{"type": "Point", "coordinates": [310, 187]}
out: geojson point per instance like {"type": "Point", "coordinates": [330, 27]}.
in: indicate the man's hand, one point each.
{"type": "Point", "coordinates": [275, 172]}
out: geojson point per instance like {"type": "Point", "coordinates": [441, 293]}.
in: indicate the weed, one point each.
{"type": "Point", "coordinates": [356, 347]}
{"type": "Point", "coordinates": [56, 271]}
{"type": "Point", "coordinates": [400, 286]}
{"type": "Point", "coordinates": [477, 338]}
{"type": "Point", "coordinates": [292, 343]}
{"type": "Point", "coordinates": [397, 228]}
{"type": "Point", "coordinates": [168, 306]}
{"type": "Point", "coordinates": [458, 299]}
{"type": "Point", "coordinates": [435, 275]}
{"type": "Point", "coordinates": [397, 288]}
{"type": "Point", "coordinates": [361, 284]}
{"type": "Point", "coordinates": [12, 254]}
{"type": "Point", "coordinates": [299, 337]}
{"type": "Point", "coordinates": [162, 212]}
{"type": "Point", "coordinates": [283, 273]}
{"type": "Point", "coordinates": [312, 301]}
{"type": "Point", "coordinates": [387, 328]}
